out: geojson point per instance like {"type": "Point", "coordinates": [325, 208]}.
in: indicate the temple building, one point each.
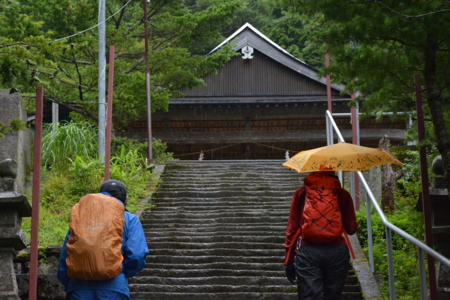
{"type": "Point", "coordinates": [261, 104]}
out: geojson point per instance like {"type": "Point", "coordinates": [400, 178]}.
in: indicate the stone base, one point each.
{"type": "Point", "coordinates": [9, 296]}
{"type": "Point", "coordinates": [49, 287]}
{"type": "Point", "coordinates": [443, 293]}
{"type": "Point", "coordinates": [8, 284]}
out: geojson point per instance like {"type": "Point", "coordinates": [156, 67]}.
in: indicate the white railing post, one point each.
{"type": "Point", "coordinates": [369, 232]}
{"type": "Point", "coordinates": [423, 275]}
{"type": "Point", "coordinates": [390, 263]}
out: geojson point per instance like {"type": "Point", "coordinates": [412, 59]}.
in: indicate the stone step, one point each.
{"type": "Point", "coordinates": [217, 245]}
{"type": "Point", "coordinates": [216, 238]}
{"type": "Point", "coordinates": [219, 201]}
{"type": "Point", "coordinates": [217, 215]}
{"type": "Point", "coordinates": [204, 259]}
{"type": "Point", "coordinates": [220, 193]}
{"type": "Point", "coordinates": [217, 231]}
{"type": "Point", "coordinates": [213, 280]}
{"type": "Point", "coordinates": [254, 230]}
{"type": "Point", "coordinates": [188, 184]}
{"type": "Point", "coordinates": [219, 208]}
{"type": "Point", "coordinates": [278, 220]}
{"type": "Point", "coordinates": [188, 273]}
{"type": "Point", "coordinates": [210, 227]}
{"type": "Point", "coordinates": [226, 288]}
{"type": "Point", "coordinates": [267, 295]}
{"type": "Point", "coordinates": [212, 296]}
{"type": "Point", "coordinates": [220, 251]}
{"type": "Point", "coordinates": [217, 265]}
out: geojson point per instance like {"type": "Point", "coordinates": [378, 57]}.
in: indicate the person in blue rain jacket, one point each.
{"type": "Point", "coordinates": [134, 250]}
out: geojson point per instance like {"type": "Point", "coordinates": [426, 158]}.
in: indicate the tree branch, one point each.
{"type": "Point", "coordinates": [134, 66]}
{"type": "Point", "coordinates": [77, 62]}
{"type": "Point", "coordinates": [409, 16]}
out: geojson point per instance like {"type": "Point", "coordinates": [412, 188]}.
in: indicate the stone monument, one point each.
{"type": "Point", "coordinates": [440, 209]}
{"type": "Point", "coordinates": [16, 145]}
{"type": "Point", "coordinates": [13, 207]}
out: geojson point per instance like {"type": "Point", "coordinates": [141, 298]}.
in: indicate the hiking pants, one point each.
{"type": "Point", "coordinates": [321, 271]}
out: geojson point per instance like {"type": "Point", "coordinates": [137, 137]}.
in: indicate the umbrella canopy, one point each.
{"type": "Point", "coordinates": [340, 157]}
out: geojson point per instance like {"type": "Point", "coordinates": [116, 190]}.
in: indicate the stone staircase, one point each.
{"type": "Point", "coordinates": [217, 232]}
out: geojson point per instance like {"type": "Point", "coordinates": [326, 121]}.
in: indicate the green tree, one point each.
{"type": "Point", "coordinates": [179, 31]}
{"type": "Point", "coordinates": [25, 54]}
{"type": "Point", "coordinates": [383, 45]}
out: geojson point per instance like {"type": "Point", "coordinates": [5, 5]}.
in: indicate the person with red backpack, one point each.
{"type": "Point", "coordinates": [104, 246]}
{"type": "Point", "coordinates": [317, 254]}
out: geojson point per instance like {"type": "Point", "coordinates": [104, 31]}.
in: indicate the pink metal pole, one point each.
{"type": "Point", "coordinates": [36, 194]}
{"type": "Point", "coordinates": [109, 113]}
{"type": "Point", "coordinates": [425, 187]}
{"type": "Point", "coordinates": [327, 64]}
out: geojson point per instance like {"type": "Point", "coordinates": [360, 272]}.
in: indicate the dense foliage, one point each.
{"type": "Point", "coordinates": [45, 42]}
{"type": "Point", "coordinates": [71, 170]}
{"type": "Point", "coordinates": [377, 47]}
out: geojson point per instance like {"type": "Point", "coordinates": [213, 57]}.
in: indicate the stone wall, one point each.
{"type": "Point", "coordinates": [49, 287]}
{"type": "Point", "coordinates": [16, 145]}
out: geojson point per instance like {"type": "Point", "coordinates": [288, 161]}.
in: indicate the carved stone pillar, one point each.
{"type": "Point", "coordinates": [440, 208]}
{"type": "Point", "coordinates": [13, 206]}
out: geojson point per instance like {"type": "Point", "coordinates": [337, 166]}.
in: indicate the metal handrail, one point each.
{"type": "Point", "coordinates": [422, 247]}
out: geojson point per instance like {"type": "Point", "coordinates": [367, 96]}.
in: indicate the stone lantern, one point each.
{"type": "Point", "coordinates": [440, 209]}
{"type": "Point", "coordinates": [13, 207]}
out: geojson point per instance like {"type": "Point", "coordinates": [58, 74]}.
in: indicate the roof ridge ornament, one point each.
{"type": "Point", "coordinates": [247, 52]}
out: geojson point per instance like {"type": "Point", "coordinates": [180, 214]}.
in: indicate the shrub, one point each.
{"type": "Point", "coordinates": [159, 148]}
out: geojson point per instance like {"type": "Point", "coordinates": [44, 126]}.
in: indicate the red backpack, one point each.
{"type": "Point", "coordinates": [321, 220]}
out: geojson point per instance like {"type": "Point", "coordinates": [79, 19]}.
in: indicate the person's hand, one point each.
{"type": "Point", "coordinates": [290, 272]}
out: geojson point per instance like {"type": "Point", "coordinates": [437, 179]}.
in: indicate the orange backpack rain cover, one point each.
{"type": "Point", "coordinates": [93, 249]}
{"type": "Point", "coordinates": [322, 220]}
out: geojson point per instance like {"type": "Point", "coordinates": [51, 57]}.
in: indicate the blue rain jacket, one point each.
{"type": "Point", "coordinates": [134, 251]}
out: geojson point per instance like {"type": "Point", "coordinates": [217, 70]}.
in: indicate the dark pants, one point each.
{"type": "Point", "coordinates": [321, 271]}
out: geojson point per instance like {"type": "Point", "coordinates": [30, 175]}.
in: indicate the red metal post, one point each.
{"type": "Point", "coordinates": [32, 291]}
{"type": "Point", "coordinates": [109, 113]}
{"type": "Point", "coordinates": [327, 64]}
{"type": "Point", "coordinates": [147, 81]}
{"type": "Point", "coordinates": [355, 140]}
{"type": "Point", "coordinates": [425, 187]}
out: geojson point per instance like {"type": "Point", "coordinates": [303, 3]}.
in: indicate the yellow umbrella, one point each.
{"type": "Point", "coordinates": [340, 157]}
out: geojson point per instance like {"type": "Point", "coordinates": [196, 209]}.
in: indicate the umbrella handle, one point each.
{"type": "Point", "coordinates": [349, 245]}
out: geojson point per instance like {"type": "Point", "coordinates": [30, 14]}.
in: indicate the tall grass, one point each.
{"type": "Point", "coordinates": [63, 142]}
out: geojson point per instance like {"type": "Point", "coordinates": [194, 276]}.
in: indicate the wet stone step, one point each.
{"type": "Point", "coordinates": [226, 288]}
{"type": "Point", "coordinates": [217, 231]}
{"type": "Point", "coordinates": [218, 245]}
{"type": "Point", "coordinates": [257, 229]}
{"type": "Point", "coordinates": [230, 296]}
{"type": "Point", "coordinates": [182, 273]}
{"type": "Point", "coordinates": [220, 201]}
{"type": "Point", "coordinates": [218, 238]}
{"type": "Point", "coordinates": [218, 265]}
{"type": "Point", "coordinates": [223, 251]}
{"type": "Point", "coordinates": [216, 288]}
{"type": "Point", "coordinates": [218, 215]}
{"type": "Point", "coordinates": [221, 193]}
{"type": "Point", "coordinates": [223, 208]}
{"type": "Point", "coordinates": [229, 280]}
{"type": "Point", "coordinates": [210, 227]}
{"type": "Point", "coordinates": [243, 220]}
{"type": "Point", "coordinates": [203, 259]}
